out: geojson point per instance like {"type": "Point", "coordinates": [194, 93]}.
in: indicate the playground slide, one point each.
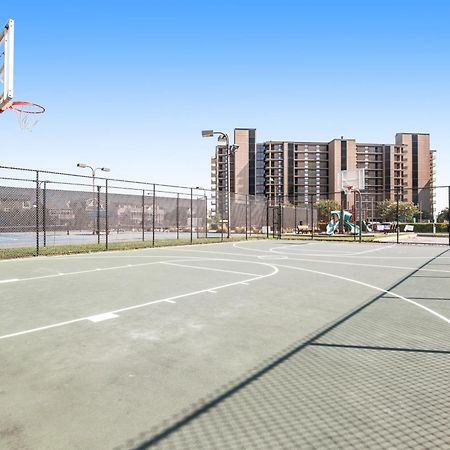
{"type": "Point", "coordinates": [354, 229]}
{"type": "Point", "coordinates": [332, 227]}
{"type": "Point", "coordinates": [335, 218]}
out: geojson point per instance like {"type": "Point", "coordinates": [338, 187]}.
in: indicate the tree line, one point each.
{"type": "Point", "coordinates": [386, 210]}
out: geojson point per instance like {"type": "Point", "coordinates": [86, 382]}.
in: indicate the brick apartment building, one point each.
{"type": "Point", "coordinates": [299, 172]}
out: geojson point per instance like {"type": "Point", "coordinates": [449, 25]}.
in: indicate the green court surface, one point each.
{"type": "Point", "coordinates": [258, 344]}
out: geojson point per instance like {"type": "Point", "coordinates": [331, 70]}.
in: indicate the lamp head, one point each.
{"type": "Point", "coordinates": [207, 133]}
{"type": "Point", "coordinates": [82, 165]}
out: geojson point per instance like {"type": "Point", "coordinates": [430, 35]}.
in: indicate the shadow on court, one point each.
{"type": "Point", "coordinates": [369, 380]}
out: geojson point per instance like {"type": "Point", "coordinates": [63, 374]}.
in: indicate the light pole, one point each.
{"type": "Point", "coordinates": [230, 149]}
{"type": "Point", "coordinates": [104, 169]}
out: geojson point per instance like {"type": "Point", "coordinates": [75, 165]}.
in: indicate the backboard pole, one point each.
{"type": "Point", "coordinates": [37, 212]}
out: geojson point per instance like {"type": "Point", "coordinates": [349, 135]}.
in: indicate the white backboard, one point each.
{"type": "Point", "coordinates": [6, 65]}
{"type": "Point", "coordinates": [351, 177]}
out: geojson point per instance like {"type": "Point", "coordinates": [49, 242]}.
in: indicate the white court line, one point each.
{"type": "Point", "coordinates": [80, 272]}
{"type": "Point", "coordinates": [273, 257]}
{"type": "Point", "coordinates": [236, 245]}
{"type": "Point", "coordinates": [143, 305]}
{"type": "Point", "coordinates": [109, 257]}
{"type": "Point", "coordinates": [249, 255]}
{"type": "Point", "coordinates": [102, 317]}
{"type": "Point", "coordinates": [440, 316]}
{"type": "Point", "coordinates": [210, 268]}
{"type": "Point", "coordinates": [378, 266]}
{"type": "Point", "coordinates": [251, 249]}
{"type": "Point", "coordinates": [335, 254]}
{"type": "Point", "coordinates": [320, 261]}
{"type": "Point", "coordinates": [67, 322]}
{"type": "Point", "coordinates": [373, 250]}
{"type": "Point", "coordinates": [345, 254]}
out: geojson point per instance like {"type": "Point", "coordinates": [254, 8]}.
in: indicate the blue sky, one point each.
{"type": "Point", "coordinates": [131, 84]}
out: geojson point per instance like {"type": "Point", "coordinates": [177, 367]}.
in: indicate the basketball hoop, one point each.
{"type": "Point", "coordinates": [348, 189]}
{"type": "Point", "coordinates": [28, 114]}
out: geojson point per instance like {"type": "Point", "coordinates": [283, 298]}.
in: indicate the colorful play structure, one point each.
{"type": "Point", "coordinates": [349, 225]}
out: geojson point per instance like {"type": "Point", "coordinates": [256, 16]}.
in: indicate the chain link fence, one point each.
{"type": "Point", "coordinates": [42, 209]}
{"type": "Point", "coordinates": [401, 215]}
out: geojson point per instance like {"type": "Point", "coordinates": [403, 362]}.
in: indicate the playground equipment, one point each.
{"type": "Point", "coordinates": [349, 226]}
{"type": "Point", "coordinates": [335, 219]}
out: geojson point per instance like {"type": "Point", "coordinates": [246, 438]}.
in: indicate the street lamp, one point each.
{"type": "Point", "coordinates": [104, 169]}
{"type": "Point", "coordinates": [230, 149]}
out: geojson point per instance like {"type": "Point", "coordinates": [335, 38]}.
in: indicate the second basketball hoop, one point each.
{"type": "Point", "coordinates": [351, 180]}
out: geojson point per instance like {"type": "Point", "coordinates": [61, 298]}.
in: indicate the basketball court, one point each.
{"type": "Point", "coordinates": [252, 344]}
{"type": "Point", "coordinates": [259, 344]}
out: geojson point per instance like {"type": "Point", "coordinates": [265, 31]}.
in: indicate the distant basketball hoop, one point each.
{"type": "Point", "coordinates": [28, 114]}
{"type": "Point", "coordinates": [351, 180]}
{"type": "Point", "coordinates": [348, 189]}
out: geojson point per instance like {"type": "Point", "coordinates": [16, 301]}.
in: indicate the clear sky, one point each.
{"type": "Point", "coordinates": [131, 84]}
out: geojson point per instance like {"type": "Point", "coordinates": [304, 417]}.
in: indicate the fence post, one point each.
{"type": "Point", "coordinates": [312, 217]}
{"type": "Point", "coordinates": [106, 216]}
{"type": "Point", "coordinates": [306, 215]}
{"type": "Point", "coordinates": [98, 214]}
{"type": "Point", "coordinates": [281, 217]}
{"type": "Point", "coordinates": [448, 215]}
{"type": "Point", "coordinates": [153, 215]}
{"type": "Point", "coordinates": [398, 224]}
{"type": "Point", "coordinates": [267, 218]}
{"type": "Point", "coordinates": [178, 215]}
{"type": "Point", "coordinates": [143, 215]}
{"type": "Point", "coordinates": [44, 215]}
{"type": "Point", "coordinates": [191, 211]}
{"type": "Point", "coordinates": [197, 214]}
{"type": "Point", "coordinates": [250, 216]}
{"type": "Point", "coordinates": [206, 215]}
{"type": "Point", "coordinates": [295, 218]}
{"type": "Point", "coordinates": [360, 215]}
{"type": "Point", "coordinates": [354, 213]}
{"type": "Point", "coordinates": [273, 221]}
{"type": "Point", "coordinates": [37, 212]}
{"type": "Point", "coordinates": [246, 216]}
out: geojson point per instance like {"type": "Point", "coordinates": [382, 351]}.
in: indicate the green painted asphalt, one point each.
{"type": "Point", "coordinates": [192, 325]}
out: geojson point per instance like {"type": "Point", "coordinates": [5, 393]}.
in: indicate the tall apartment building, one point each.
{"type": "Point", "coordinates": [300, 172]}
{"type": "Point", "coordinates": [246, 169]}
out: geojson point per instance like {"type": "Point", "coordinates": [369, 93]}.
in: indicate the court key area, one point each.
{"type": "Point", "coordinates": [253, 344]}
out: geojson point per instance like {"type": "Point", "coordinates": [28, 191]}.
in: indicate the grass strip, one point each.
{"type": "Point", "coordinates": [22, 252]}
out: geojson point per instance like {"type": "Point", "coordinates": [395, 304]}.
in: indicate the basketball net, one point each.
{"type": "Point", "coordinates": [348, 189]}
{"type": "Point", "coordinates": [28, 114]}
